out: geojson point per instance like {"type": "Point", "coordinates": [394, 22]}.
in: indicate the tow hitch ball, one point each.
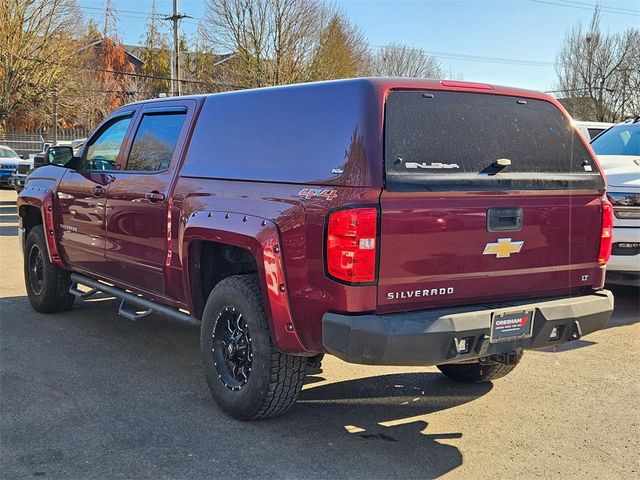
{"type": "Point", "coordinates": [502, 358]}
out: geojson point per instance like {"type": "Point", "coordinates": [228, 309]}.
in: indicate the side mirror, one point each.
{"type": "Point", "coordinates": [22, 157]}
{"type": "Point", "coordinates": [39, 160]}
{"type": "Point", "coordinates": [60, 155]}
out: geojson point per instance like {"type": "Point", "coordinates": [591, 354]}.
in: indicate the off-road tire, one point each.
{"type": "Point", "coordinates": [275, 379]}
{"type": "Point", "coordinates": [314, 364]}
{"type": "Point", "coordinates": [50, 293]}
{"type": "Point", "coordinates": [477, 372]}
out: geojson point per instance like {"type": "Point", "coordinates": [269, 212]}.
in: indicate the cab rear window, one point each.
{"type": "Point", "coordinates": [449, 138]}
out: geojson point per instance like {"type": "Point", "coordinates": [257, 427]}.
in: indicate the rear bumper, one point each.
{"type": "Point", "coordinates": [432, 337]}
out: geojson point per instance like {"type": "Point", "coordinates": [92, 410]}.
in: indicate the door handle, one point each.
{"type": "Point", "coordinates": [98, 191]}
{"type": "Point", "coordinates": [504, 220]}
{"type": "Point", "coordinates": [154, 197]}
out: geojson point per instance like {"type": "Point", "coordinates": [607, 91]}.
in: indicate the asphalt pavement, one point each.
{"type": "Point", "coordinates": [88, 394]}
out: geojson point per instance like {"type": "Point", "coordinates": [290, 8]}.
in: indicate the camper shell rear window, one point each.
{"type": "Point", "coordinates": [453, 140]}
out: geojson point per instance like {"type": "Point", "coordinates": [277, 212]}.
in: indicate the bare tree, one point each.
{"type": "Point", "coordinates": [398, 60]}
{"type": "Point", "coordinates": [599, 74]}
{"type": "Point", "coordinates": [273, 40]}
{"type": "Point", "coordinates": [36, 50]}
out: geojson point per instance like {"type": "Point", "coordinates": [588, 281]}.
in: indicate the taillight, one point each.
{"type": "Point", "coordinates": [351, 245]}
{"type": "Point", "coordinates": [625, 205]}
{"type": "Point", "coordinates": [606, 233]}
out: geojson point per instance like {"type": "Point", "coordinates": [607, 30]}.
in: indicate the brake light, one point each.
{"type": "Point", "coordinates": [458, 84]}
{"type": "Point", "coordinates": [351, 245]}
{"type": "Point", "coordinates": [606, 233]}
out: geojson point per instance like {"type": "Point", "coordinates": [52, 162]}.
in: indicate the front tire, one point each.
{"type": "Point", "coordinates": [477, 372]}
{"type": "Point", "coordinates": [47, 284]}
{"type": "Point", "coordinates": [248, 377]}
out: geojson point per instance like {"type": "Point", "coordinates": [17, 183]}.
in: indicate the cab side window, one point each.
{"type": "Point", "coordinates": [155, 141]}
{"type": "Point", "coordinates": [102, 152]}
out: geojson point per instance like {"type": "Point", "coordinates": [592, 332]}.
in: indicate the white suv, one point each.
{"type": "Point", "coordinates": [618, 150]}
{"type": "Point", "coordinates": [591, 130]}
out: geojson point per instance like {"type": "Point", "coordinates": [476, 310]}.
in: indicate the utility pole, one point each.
{"type": "Point", "coordinates": [54, 111]}
{"type": "Point", "coordinates": [176, 86]}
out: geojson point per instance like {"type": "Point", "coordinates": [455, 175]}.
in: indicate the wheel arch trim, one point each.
{"type": "Point", "coordinates": [262, 239]}
{"type": "Point", "coordinates": [41, 198]}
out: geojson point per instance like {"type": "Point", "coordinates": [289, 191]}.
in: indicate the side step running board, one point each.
{"type": "Point", "coordinates": [129, 302]}
{"type": "Point", "coordinates": [131, 314]}
{"type": "Point", "coordinates": [80, 294]}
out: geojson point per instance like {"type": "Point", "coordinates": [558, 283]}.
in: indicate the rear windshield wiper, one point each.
{"type": "Point", "coordinates": [497, 166]}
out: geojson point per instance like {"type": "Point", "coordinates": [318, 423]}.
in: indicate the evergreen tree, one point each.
{"type": "Point", "coordinates": [341, 52]}
{"type": "Point", "coordinates": [156, 56]}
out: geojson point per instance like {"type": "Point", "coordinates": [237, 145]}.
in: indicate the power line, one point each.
{"type": "Point", "coordinates": [608, 7]}
{"type": "Point", "coordinates": [136, 14]}
{"type": "Point", "coordinates": [480, 58]}
{"type": "Point", "coordinates": [139, 75]}
{"type": "Point", "coordinates": [583, 6]}
{"type": "Point", "coordinates": [477, 58]}
{"type": "Point", "coordinates": [565, 90]}
{"type": "Point", "coordinates": [118, 11]}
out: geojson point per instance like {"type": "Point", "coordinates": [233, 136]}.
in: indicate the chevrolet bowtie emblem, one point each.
{"type": "Point", "coordinates": [503, 249]}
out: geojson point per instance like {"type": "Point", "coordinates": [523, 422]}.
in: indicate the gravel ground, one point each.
{"type": "Point", "coordinates": [87, 394]}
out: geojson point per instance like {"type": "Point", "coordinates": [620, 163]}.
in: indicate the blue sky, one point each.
{"type": "Point", "coordinates": [519, 30]}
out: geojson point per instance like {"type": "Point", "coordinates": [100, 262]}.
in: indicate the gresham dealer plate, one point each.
{"type": "Point", "coordinates": [507, 326]}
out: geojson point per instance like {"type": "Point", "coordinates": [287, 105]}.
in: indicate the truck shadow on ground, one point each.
{"type": "Point", "coordinates": [384, 418]}
{"type": "Point", "coordinates": [627, 305]}
{"type": "Point", "coordinates": [130, 400]}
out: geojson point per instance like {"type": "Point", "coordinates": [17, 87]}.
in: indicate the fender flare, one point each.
{"type": "Point", "coordinates": [262, 238]}
{"type": "Point", "coordinates": [42, 199]}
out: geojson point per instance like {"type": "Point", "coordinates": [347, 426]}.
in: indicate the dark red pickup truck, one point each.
{"type": "Point", "coordinates": [385, 221]}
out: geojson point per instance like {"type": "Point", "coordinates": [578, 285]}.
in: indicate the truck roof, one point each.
{"type": "Point", "coordinates": [323, 133]}
{"type": "Point", "coordinates": [382, 84]}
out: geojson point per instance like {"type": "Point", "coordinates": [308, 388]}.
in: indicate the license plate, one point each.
{"type": "Point", "coordinates": [506, 326]}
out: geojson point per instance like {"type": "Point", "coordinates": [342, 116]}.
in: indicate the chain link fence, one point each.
{"type": "Point", "coordinates": [33, 141]}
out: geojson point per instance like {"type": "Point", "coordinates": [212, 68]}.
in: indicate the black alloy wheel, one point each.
{"type": "Point", "coordinates": [247, 375]}
{"type": "Point", "coordinates": [36, 269]}
{"type": "Point", "coordinates": [232, 352]}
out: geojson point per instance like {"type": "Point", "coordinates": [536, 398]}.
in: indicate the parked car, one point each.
{"type": "Point", "coordinates": [591, 130]}
{"type": "Point", "coordinates": [19, 177]}
{"type": "Point", "coordinates": [9, 161]}
{"type": "Point", "coordinates": [618, 151]}
{"type": "Point", "coordinates": [385, 221]}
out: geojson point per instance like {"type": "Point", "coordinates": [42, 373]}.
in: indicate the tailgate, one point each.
{"type": "Point", "coordinates": [436, 250]}
{"type": "Point", "coordinates": [457, 227]}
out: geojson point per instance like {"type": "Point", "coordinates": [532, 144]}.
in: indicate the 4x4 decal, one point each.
{"type": "Point", "coordinates": [309, 193]}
